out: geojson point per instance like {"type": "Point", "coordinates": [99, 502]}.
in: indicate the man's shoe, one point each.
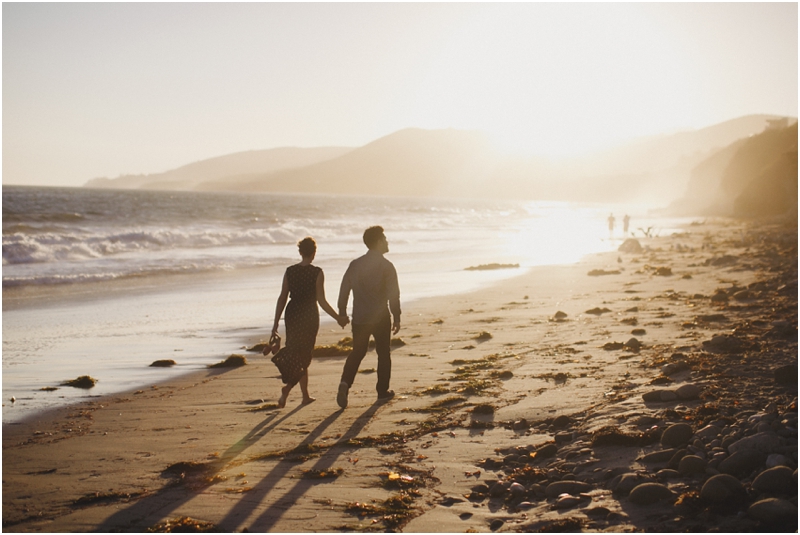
{"type": "Point", "coordinates": [341, 397]}
{"type": "Point", "coordinates": [386, 396]}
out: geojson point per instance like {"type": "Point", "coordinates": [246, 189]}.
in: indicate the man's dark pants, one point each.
{"type": "Point", "coordinates": [382, 332]}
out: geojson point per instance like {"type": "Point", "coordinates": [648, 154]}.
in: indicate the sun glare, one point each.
{"type": "Point", "coordinates": [558, 233]}
{"type": "Point", "coordinates": [537, 89]}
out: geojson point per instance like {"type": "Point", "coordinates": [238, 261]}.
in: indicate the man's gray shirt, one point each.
{"type": "Point", "coordinates": [373, 281]}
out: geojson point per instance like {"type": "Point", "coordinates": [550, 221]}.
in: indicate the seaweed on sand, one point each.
{"type": "Point", "coordinates": [614, 436]}
{"type": "Point", "coordinates": [483, 408]}
{"type": "Point", "coordinates": [331, 350]}
{"type": "Point", "coordinates": [233, 361]}
{"type": "Point", "coordinates": [475, 387]}
{"type": "Point", "coordinates": [563, 525]}
{"type": "Point", "coordinates": [184, 524]}
{"type": "Point", "coordinates": [104, 497]}
{"type": "Point", "coordinates": [440, 405]}
{"type": "Point", "coordinates": [393, 512]}
{"type": "Point", "coordinates": [165, 363]}
{"type": "Point", "coordinates": [436, 390]}
{"type": "Point", "coordinates": [84, 381]}
{"type": "Point", "coordinates": [331, 473]}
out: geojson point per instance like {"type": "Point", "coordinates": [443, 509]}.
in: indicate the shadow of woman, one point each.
{"type": "Point", "coordinates": [278, 506]}
{"type": "Point", "coordinates": [172, 496]}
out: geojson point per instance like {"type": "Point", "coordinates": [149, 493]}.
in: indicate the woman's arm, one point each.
{"type": "Point", "coordinates": [281, 304]}
{"type": "Point", "coordinates": [341, 320]}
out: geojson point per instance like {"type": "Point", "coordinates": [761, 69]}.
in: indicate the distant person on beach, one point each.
{"type": "Point", "coordinates": [305, 284]}
{"type": "Point", "coordinates": [626, 222]}
{"type": "Point", "coordinates": [611, 224]}
{"type": "Point", "coordinates": [373, 281]}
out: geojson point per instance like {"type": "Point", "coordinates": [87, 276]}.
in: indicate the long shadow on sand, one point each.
{"type": "Point", "coordinates": [280, 505]}
{"type": "Point", "coordinates": [171, 497]}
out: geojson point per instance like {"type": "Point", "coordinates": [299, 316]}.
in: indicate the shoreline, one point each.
{"type": "Point", "coordinates": [213, 446]}
{"type": "Point", "coordinates": [113, 296]}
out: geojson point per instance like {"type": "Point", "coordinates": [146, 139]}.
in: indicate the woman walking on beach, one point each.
{"type": "Point", "coordinates": [305, 284]}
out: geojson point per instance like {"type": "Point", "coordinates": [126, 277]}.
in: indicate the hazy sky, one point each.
{"type": "Point", "coordinates": [98, 89]}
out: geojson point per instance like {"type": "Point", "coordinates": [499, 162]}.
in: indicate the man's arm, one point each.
{"type": "Point", "coordinates": [344, 293]}
{"type": "Point", "coordinates": [394, 298]}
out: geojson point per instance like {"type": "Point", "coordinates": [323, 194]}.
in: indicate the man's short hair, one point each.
{"type": "Point", "coordinates": [372, 236]}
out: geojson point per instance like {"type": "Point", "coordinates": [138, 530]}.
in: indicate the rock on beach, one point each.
{"type": "Point", "coordinates": [779, 480]}
{"type": "Point", "coordinates": [774, 511]}
{"type": "Point", "coordinates": [676, 435]}
{"type": "Point", "coordinates": [650, 493]}
{"type": "Point", "coordinates": [720, 488]}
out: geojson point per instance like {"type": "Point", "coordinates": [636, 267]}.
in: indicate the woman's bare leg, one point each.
{"type": "Point", "coordinates": [304, 388]}
{"type": "Point", "coordinates": [284, 394]}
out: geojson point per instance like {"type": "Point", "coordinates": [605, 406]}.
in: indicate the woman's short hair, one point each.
{"type": "Point", "coordinates": [307, 247]}
{"type": "Point", "coordinates": [372, 236]}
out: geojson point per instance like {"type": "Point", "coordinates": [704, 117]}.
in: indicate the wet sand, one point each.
{"type": "Point", "coordinates": [554, 401]}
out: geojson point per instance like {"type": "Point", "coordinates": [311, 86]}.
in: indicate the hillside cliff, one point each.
{"type": "Point", "coordinates": [755, 176]}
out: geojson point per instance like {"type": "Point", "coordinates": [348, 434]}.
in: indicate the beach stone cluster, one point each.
{"type": "Point", "coordinates": [709, 443]}
{"type": "Point", "coordinates": [745, 465]}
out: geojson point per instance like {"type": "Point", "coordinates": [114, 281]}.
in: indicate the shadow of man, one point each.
{"type": "Point", "coordinates": [278, 506]}
{"type": "Point", "coordinates": [172, 496]}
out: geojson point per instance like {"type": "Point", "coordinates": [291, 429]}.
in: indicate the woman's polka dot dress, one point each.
{"type": "Point", "coordinates": [302, 323]}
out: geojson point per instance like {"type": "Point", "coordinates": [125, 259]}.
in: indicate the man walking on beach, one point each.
{"type": "Point", "coordinates": [373, 281]}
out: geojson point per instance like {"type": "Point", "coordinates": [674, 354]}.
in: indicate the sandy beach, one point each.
{"type": "Point", "coordinates": [651, 390]}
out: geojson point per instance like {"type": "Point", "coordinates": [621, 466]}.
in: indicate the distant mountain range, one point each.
{"type": "Point", "coordinates": [417, 162]}
{"type": "Point", "coordinates": [231, 167]}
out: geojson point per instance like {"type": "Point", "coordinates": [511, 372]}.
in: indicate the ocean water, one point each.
{"type": "Point", "coordinates": [104, 282]}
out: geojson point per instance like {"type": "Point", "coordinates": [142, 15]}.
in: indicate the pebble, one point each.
{"type": "Point", "coordinates": [574, 488]}
{"type": "Point", "coordinates": [561, 421]}
{"type": "Point", "coordinates": [709, 432]}
{"type": "Point", "coordinates": [625, 483]}
{"type": "Point", "coordinates": [776, 459]}
{"type": "Point", "coordinates": [692, 464]}
{"type": "Point", "coordinates": [774, 511]}
{"type": "Point", "coordinates": [658, 396]}
{"type": "Point", "coordinates": [539, 491]}
{"type": "Point", "coordinates": [741, 463]}
{"type": "Point", "coordinates": [676, 435]}
{"type": "Point", "coordinates": [498, 489]}
{"type": "Point", "coordinates": [546, 451]}
{"type": "Point", "coordinates": [762, 442]}
{"type": "Point", "coordinates": [566, 501]}
{"type": "Point", "coordinates": [721, 488]}
{"type": "Point", "coordinates": [516, 489]}
{"type": "Point", "coordinates": [764, 427]}
{"type": "Point", "coordinates": [675, 460]}
{"type": "Point", "coordinates": [496, 524]}
{"type": "Point", "coordinates": [650, 493]}
{"type": "Point", "coordinates": [601, 512]}
{"type": "Point", "coordinates": [688, 391]}
{"type": "Point", "coordinates": [563, 438]}
{"type": "Point", "coordinates": [674, 367]}
{"type": "Point", "coordinates": [660, 456]}
{"type": "Point", "coordinates": [667, 473]}
{"type": "Point", "coordinates": [520, 425]}
{"type": "Point", "coordinates": [778, 480]}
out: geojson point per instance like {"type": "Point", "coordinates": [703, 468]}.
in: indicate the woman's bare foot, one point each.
{"type": "Point", "coordinates": [308, 399]}
{"type": "Point", "coordinates": [284, 394]}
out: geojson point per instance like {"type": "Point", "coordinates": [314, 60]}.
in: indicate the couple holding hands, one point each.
{"type": "Point", "coordinates": [373, 281]}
